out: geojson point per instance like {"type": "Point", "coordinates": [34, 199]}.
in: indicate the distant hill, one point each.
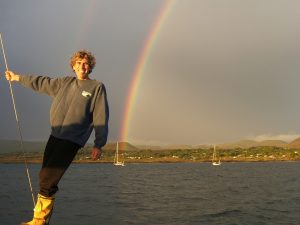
{"type": "Point", "coordinates": [275, 143]}
{"type": "Point", "coordinates": [170, 147]}
{"type": "Point", "coordinates": [294, 144]}
{"type": "Point", "coordinates": [207, 146]}
{"type": "Point", "coordinates": [123, 146]}
{"type": "Point", "coordinates": [239, 144]}
{"type": "Point", "coordinates": [7, 146]}
{"type": "Point", "coordinates": [147, 147]}
{"type": "Point", "coordinates": [251, 143]}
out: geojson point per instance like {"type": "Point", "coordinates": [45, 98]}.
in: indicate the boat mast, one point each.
{"type": "Point", "coordinates": [117, 153]}
{"type": "Point", "coordinates": [214, 154]}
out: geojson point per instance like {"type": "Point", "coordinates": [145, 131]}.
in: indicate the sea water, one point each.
{"type": "Point", "coordinates": [161, 193]}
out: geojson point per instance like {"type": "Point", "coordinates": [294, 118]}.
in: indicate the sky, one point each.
{"type": "Point", "coordinates": [216, 71]}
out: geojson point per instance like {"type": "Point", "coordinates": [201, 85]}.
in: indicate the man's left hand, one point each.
{"type": "Point", "coordinates": [96, 153]}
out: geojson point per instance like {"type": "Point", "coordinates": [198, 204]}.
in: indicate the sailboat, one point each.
{"type": "Point", "coordinates": [118, 161]}
{"type": "Point", "coordinates": [216, 161]}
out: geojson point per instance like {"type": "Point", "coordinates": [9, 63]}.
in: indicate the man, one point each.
{"type": "Point", "coordinates": [79, 105]}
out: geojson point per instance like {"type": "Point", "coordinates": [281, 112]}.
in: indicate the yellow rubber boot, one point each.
{"type": "Point", "coordinates": [42, 211]}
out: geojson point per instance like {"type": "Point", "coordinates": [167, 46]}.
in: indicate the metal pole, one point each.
{"type": "Point", "coordinates": [18, 124]}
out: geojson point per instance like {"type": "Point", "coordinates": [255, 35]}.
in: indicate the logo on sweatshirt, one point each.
{"type": "Point", "coordinates": [86, 94]}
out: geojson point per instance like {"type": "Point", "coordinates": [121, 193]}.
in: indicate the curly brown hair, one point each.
{"type": "Point", "coordinates": [83, 54]}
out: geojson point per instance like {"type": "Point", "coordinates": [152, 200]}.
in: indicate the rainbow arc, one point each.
{"type": "Point", "coordinates": [145, 54]}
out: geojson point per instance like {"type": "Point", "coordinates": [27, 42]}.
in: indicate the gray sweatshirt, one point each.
{"type": "Point", "coordinates": [78, 106]}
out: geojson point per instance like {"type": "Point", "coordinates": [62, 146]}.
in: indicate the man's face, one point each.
{"type": "Point", "coordinates": [81, 68]}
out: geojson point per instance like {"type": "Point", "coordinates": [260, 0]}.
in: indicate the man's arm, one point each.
{"type": "Point", "coordinates": [42, 84]}
{"type": "Point", "coordinates": [100, 118]}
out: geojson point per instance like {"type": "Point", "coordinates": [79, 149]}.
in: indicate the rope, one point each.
{"type": "Point", "coordinates": [18, 124]}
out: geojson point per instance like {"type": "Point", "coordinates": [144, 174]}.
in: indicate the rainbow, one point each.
{"type": "Point", "coordinates": [141, 65]}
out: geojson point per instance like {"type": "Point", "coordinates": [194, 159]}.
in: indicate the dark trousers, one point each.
{"type": "Point", "coordinates": [57, 158]}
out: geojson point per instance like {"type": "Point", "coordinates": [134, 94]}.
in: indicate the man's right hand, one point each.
{"type": "Point", "coordinates": [11, 76]}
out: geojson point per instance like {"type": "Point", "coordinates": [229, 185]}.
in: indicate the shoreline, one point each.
{"type": "Point", "coordinates": [34, 161]}
{"type": "Point", "coordinates": [258, 154]}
